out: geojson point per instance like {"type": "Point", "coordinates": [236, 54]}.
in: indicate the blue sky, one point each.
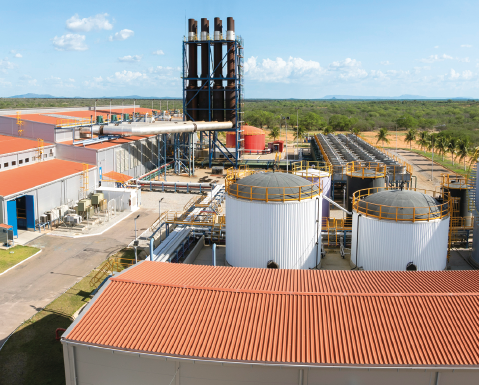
{"type": "Point", "coordinates": [302, 49]}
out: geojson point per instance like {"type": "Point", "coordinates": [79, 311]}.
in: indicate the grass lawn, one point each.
{"type": "Point", "coordinates": [32, 355]}
{"type": "Point", "coordinates": [20, 253]}
{"type": "Point", "coordinates": [457, 168]}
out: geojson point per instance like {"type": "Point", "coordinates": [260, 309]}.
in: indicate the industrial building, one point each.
{"type": "Point", "coordinates": [163, 323]}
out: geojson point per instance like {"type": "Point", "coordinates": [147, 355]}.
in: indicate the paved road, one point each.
{"type": "Point", "coordinates": [62, 262]}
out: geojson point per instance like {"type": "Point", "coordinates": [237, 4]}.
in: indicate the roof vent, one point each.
{"type": "Point", "coordinates": [411, 267]}
{"type": "Point", "coordinates": [272, 264]}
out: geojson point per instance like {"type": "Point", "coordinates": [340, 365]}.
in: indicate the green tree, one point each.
{"type": "Point", "coordinates": [312, 121]}
{"type": "Point", "coordinates": [452, 148]}
{"type": "Point", "coordinates": [328, 130]}
{"type": "Point", "coordinates": [410, 137]}
{"type": "Point", "coordinates": [441, 144]}
{"type": "Point", "coordinates": [406, 121]}
{"type": "Point", "coordinates": [341, 122]}
{"type": "Point", "coordinates": [382, 136]}
{"type": "Point", "coordinates": [423, 139]}
{"type": "Point", "coordinates": [463, 150]}
{"type": "Point", "coordinates": [274, 132]}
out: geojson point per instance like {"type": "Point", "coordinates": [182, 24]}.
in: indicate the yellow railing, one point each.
{"type": "Point", "coordinates": [400, 161]}
{"type": "Point", "coordinates": [366, 169]}
{"type": "Point", "coordinates": [454, 181]}
{"type": "Point", "coordinates": [110, 266]}
{"type": "Point", "coordinates": [309, 169]}
{"type": "Point", "coordinates": [333, 229]}
{"type": "Point", "coordinates": [400, 213]}
{"type": "Point", "coordinates": [325, 157]}
{"type": "Point", "coordinates": [267, 194]}
{"type": "Point", "coordinates": [73, 122]}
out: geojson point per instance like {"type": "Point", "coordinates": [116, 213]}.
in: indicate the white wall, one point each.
{"type": "Point", "coordinates": [31, 155]}
{"type": "Point", "coordinates": [32, 130]}
{"type": "Point", "coordinates": [97, 366]}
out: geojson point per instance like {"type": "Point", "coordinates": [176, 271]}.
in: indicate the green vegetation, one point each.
{"type": "Point", "coordinates": [445, 163]}
{"type": "Point", "coordinates": [14, 255]}
{"type": "Point", "coordinates": [382, 136]}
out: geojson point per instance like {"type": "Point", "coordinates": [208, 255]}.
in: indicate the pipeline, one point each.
{"type": "Point", "coordinates": [204, 186]}
{"type": "Point", "coordinates": [334, 203]}
{"type": "Point", "coordinates": [156, 129]}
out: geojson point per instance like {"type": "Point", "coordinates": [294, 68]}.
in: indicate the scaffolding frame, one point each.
{"type": "Point", "coordinates": [182, 149]}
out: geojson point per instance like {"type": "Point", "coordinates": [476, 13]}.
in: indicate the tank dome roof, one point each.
{"type": "Point", "coordinates": [403, 203]}
{"type": "Point", "coordinates": [273, 186]}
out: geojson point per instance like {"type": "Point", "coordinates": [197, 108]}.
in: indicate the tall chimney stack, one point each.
{"type": "Point", "coordinates": [191, 99]}
{"type": "Point", "coordinates": [218, 90]}
{"type": "Point", "coordinates": [203, 95]}
{"type": "Point", "coordinates": [230, 88]}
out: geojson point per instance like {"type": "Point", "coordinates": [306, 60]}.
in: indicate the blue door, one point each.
{"type": "Point", "coordinates": [30, 211]}
{"type": "Point", "coordinates": [12, 216]}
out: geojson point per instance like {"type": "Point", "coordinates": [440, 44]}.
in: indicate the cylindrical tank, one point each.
{"type": "Point", "coordinates": [456, 189]}
{"type": "Point", "coordinates": [191, 98]}
{"type": "Point", "coordinates": [321, 177]}
{"type": "Point", "coordinates": [273, 216]}
{"type": "Point", "coordinates": [254, 139]}
{"type": "Point", "coordinates": [363, 175]}
{"type": "Point", "coordinates": [399, 230]}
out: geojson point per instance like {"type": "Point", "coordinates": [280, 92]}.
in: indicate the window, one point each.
{"type": "Point", "coordinates": [45, 156]}
{"type": "Point", "coordinates": [14, 162]}
{"type": "Point", "coordinates": [20, 161]}
{"type": "Point", "coordinates": [5, 164]}
{"type": "Point", "coordinates": [27, 160]}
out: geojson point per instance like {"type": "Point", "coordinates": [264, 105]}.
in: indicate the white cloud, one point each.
{"type": "Point", "coordinates": [467, 74]}
{"type": "Point", "coordinates": [122, 35]}
{"type": "Point", "coordinates": [454, 75]}
{"type": "Point", "coordinates": [280, 70]}
{"type": "Point", "coordinates": [6, 65]}
{"type": "Point", "coordinates": [435, 58]}
{"type": "Point", "coordinates": [19, 55]}
{"type": "Point", "coordinates": [58, 82]}
{"type": "Point", "coordinates": [70, 42]}
{"type": "Point", "coordinates": [436, 46]}
{"type": "Point", "coordinates": [464, 60]}
{"type": "Point", "coordinates": [386, 63]}
{"type": "Point", "coordinates": [466, 46]}
{"type": "Point", "coordinates": [27, 80]}
{"type": "Point", "coordinates": [158, 52]}
{"type": "Point", "coordinates": [87, 24]}
{"type": "Point", "coordinates": [346, 63]}
{"type": "Point", "coordinates": [130, 58]}
{"type": "Point", "coordinates": [4, 83]}
{"type": "Point", "coordinates": [127, 77]}
{"type": "Point", "coordinates": [15, 53]}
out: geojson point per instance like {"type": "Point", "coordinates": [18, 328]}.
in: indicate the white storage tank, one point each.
{"type": "Point", "coordinates": [272, 216]}
{"type": "Point", "coordinates": [399, 230]}
{"type": "Point", "coordinates": [320, 176]}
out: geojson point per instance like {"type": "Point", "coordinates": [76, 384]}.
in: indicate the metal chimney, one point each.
{"type": "Point", "coordinates": [204, 84]}
{"type": "Point", "coordinates": [230, 88]}
{"type": "Point", "coordinates": [218, 90]}
{"type": "Point", "coordinates": [191, 99]}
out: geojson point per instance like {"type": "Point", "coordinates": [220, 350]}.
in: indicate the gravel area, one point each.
{"type": "Point", "coordinates": [171, 201]}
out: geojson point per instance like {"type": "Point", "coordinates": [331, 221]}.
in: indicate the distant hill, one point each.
{"type": "Point", "coordinates": [401, 97]}
{"type": "Point", "coordinates": [46, 96]}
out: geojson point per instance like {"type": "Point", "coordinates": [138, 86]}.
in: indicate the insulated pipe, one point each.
{"type": "Point", "coordinates": [203, 113]}
{"type": "Point", "coordinates": [218, 90]}
{"type": "Point", "coordinates": [191, 99]}
{"type": "Point", "coordinates": [204, 186]}
{"type": "Point", "coordinates": [155, 129]}
{"type": "Point", "coordinates": [230, 88]}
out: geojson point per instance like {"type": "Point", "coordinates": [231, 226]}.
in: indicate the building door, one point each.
{"type": "Point", "coordinates": [30, 211]}
{"type": "Point", "coordinates": [12, 216]}
{"type": "Point", "coordinates": [25, 212]}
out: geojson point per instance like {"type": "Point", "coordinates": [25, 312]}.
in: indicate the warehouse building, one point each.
{"type": "Point", "coordinates": [18, 151]}
{"type": "Point", "coordinates": [160, 323]}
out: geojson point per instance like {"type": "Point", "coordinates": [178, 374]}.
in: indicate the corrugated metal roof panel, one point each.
{"type": "Point", "coordinates": [240, 315]}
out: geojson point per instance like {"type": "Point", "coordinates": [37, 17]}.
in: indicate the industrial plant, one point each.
{"type": "Point", "coordinates": [329, 265]}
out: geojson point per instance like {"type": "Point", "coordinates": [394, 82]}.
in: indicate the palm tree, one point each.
{"type": "Point", "coordinates": [441, 145]}
{"type": "Point", "coordinates": [382, 136]}
{"type": "Point", "coordinates": [452, 148]}
{"type": "Point", "coordinates": [410, 137]}
{"type": "Point", "coordinates": [423, 139]}
{"type": "Point", "coordinates": [274, 132]}
{"type": "Point", "coordinates": [463, 150]}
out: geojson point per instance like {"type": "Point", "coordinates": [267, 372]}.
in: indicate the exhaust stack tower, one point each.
{"type": "Point", "coordinates": [206, 97]}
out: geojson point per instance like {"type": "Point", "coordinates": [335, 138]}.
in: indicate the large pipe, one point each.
{"type": "Point", "coordinates": [191, 99]}
{"type": "Point", "coordinates": [230, 88]}
{"type": "Point", "coordinates": [156, 129]}
{"type": "Point", "coordinates": [218, 90]}
{"type": "Point", "coordinates": [203, 113]}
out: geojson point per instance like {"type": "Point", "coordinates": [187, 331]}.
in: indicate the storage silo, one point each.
{"type": "Point", "coordinates": [320, 176]}
{"type": "Point", "coordinates": [455, 188]}
{"type": "Point", "coordinates": [272, 216]}
{"type": "Point", "coordinates": [254, 139]}
{"type": "Point", "coordinates": [364, 175]}
{"type": "Point", "coordinates": [399, 230]}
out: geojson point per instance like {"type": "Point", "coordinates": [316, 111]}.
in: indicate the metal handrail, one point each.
{"type": "Point", "coordinates": [454, 181]}
{"type": "Point", "coordinates": [304, 168]}
{"type": "Point", "coordinates": [379, 211]}
{"type": "Point", "coordinates": [366, 169]}
{"type": "Point", "coordinates": [408, 166]}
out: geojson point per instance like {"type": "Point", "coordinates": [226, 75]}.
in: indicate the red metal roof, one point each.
{"type": "Point", "coordinates": [116, 176]}
{"type": "Point", "coordinates": [26, 177]}
{"type": "Point", "coordinates": [248, 130]}
{"type": "Point", "coordinates": [288, 316]}
{"type": "Point", "coordinates": [10, 144]}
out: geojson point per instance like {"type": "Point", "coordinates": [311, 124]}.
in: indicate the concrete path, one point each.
{"type": "Point", "coordinates": [63, 261]}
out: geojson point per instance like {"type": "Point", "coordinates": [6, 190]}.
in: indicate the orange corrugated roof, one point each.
{"type": "Point", "coordinates": [288, 316]}
{"type": "Point", "coordinates": [37, 118]}
{"type": "Point", "coordinates": [10, 144]}
{"type": "Point", "coordinates": [116, 176]}
{"type": "Point", "coordinates": [26, 177]}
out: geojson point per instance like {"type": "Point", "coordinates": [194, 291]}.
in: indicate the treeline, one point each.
{"type": "Point", "coordinates": [456, 118]}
